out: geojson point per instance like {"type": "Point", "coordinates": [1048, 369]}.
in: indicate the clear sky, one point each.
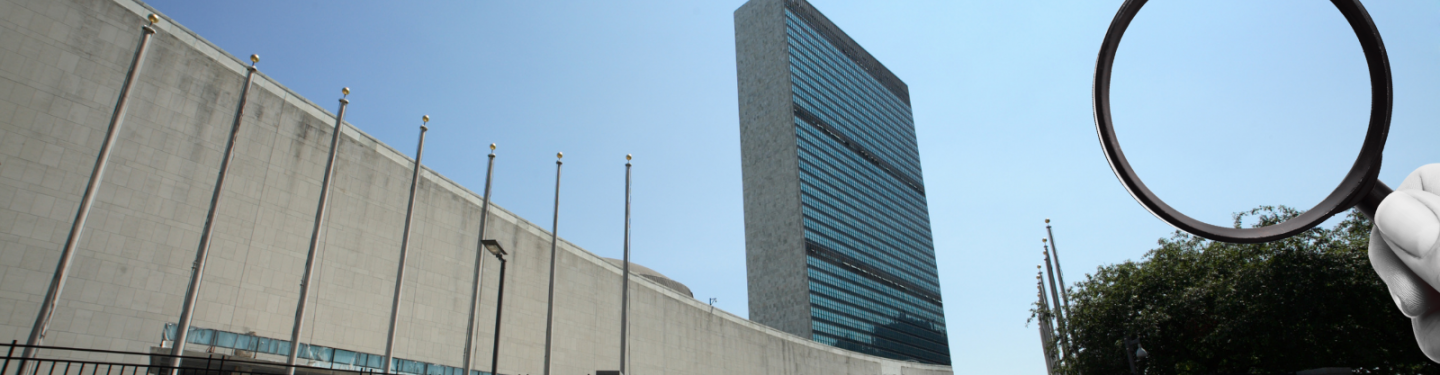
{"type": "Point", "coordinates": [1221, 106]}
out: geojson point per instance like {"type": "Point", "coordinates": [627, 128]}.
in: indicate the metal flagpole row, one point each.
{"type": "Point", "coordinates": [315, 233]}
{"type": "Point", "coordinates": [202, 253]}
{"type": "Point", "coordinates": [404, 246]}
{"type": "Point", "coordinates": [97, 175]}
{"type": "Point", "coordinates": [1062, 301]}
{"type": "Point", "coordinates": [62, 271]}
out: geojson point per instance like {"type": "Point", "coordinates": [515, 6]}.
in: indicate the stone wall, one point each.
{"type": "Point", "coordinates": [61, 66]}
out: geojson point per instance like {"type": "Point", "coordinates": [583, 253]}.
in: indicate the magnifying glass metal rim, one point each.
{"type": "Point", "coordinates": [1359, 187]}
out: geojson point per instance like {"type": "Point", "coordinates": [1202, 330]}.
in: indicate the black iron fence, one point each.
{"type": "Point", "coordinates": [54, 360]}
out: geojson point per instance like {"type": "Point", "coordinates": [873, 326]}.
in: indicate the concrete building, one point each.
{"type": "Point", "coordinates": [837, 231]}
{"type": "Point", "coordinates": [62, 63]}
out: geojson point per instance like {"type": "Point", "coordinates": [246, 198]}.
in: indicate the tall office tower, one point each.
{"type": "Point", "coordinates": [837, 232]}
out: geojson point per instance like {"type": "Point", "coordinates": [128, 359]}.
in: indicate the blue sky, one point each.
{"type": "Point", "coordinates": [1221, 106]}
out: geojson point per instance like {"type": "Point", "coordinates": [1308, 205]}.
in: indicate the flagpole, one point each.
{"type": "Point", "coordinates": [324, 205]}
{"type": "Point", "coordinates": [625, 284]}
{"type": "Point", "coordinates": [1054, 296]}
{"type": "Point", "coordinates": [97, 175]}
{"type": "Point", "coordinates": [479, 263]}
{"type": "Point", "coordinates": [202, 254]}
{"type": "Point", "coordinates": [1047, 333]}
{"type": "Point", "coordinates": [554, 241]}
{"type": "Point", "coordinates": [1064, 294]}
{"type": "Point", "coordinates": [404, 246]}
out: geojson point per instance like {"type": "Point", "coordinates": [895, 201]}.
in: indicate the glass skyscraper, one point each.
{"type": "Point", "coordinates": [838, 243]}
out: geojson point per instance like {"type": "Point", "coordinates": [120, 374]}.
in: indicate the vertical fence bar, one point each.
{"type": "Point", "coordinates": [67, 254]}
{"type": "Point", "coordinates": [10, 353]}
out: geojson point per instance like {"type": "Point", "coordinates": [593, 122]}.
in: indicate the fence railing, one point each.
{"type": "Point", "coordinates": [54, 360]}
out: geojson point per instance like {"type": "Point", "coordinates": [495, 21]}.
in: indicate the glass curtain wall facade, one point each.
{"type": "Point", "coordinates": [873, 285]}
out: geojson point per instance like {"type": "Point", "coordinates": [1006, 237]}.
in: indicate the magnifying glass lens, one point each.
{"type": "Point", "coordinates": [1225, 106]}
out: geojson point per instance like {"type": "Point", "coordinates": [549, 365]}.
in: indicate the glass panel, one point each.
{"type": "Point", "coordinates": [200, 336]}
{"type": "Point", "coordinates": [342, 356]}
{"type": "Point", "coordinates": [321, 353]}
{"type": "Point", "coordinates": [245, 342]}
{"type": "Point", "coordinates": [265, 345]}
{"type": "Point", "coordinates": [280, 347]}
{"type": "Point", "coordinates": [862, 198]}
{"type": "Point", "coordinates": [225, 339]}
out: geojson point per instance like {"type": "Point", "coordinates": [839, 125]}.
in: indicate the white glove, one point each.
{"type": "Point", "coordinates": [1403, 250]}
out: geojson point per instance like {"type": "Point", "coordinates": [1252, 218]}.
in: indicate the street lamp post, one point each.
{"type": "Point", "coordinates": [1138, 353]}
{"type": "Point", "coordinates": [494, 248]}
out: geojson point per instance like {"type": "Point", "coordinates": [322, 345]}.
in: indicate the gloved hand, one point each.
{"type": "Point", "coordinates": [1404, 251]}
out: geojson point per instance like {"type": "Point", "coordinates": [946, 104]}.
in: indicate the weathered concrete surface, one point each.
{"type": "Point", "coordinates": [774, 231]}
{"type": "Point", "coordinates": [61, 65]}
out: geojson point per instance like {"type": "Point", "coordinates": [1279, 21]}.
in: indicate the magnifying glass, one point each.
{"type": "Point", "coordinates": [1360, 188]}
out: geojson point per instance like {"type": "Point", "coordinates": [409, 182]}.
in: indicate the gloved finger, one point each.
{"type": "Point", "coordinates": [1425, 178]}
{"type": "Point", "coordinates": [1411, 294]}
{"type": "Point", "coordinates": [1408, 220]}
{"type": "Point", "coordinates": [1427, 334]}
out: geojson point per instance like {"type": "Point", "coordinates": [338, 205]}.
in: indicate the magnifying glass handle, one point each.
{"type": "Point", "coordinates": [1371, 200]}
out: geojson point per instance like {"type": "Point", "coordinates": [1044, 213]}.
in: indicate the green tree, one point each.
{"type": "Point", "coordinates": [1206, 307]}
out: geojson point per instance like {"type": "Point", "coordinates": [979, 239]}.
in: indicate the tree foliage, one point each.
{"type": "Point", "coordinates": [1206, 307]}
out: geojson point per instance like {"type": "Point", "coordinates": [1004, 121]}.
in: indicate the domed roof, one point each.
{"type": "Point", "coordinates": [646, 272]}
